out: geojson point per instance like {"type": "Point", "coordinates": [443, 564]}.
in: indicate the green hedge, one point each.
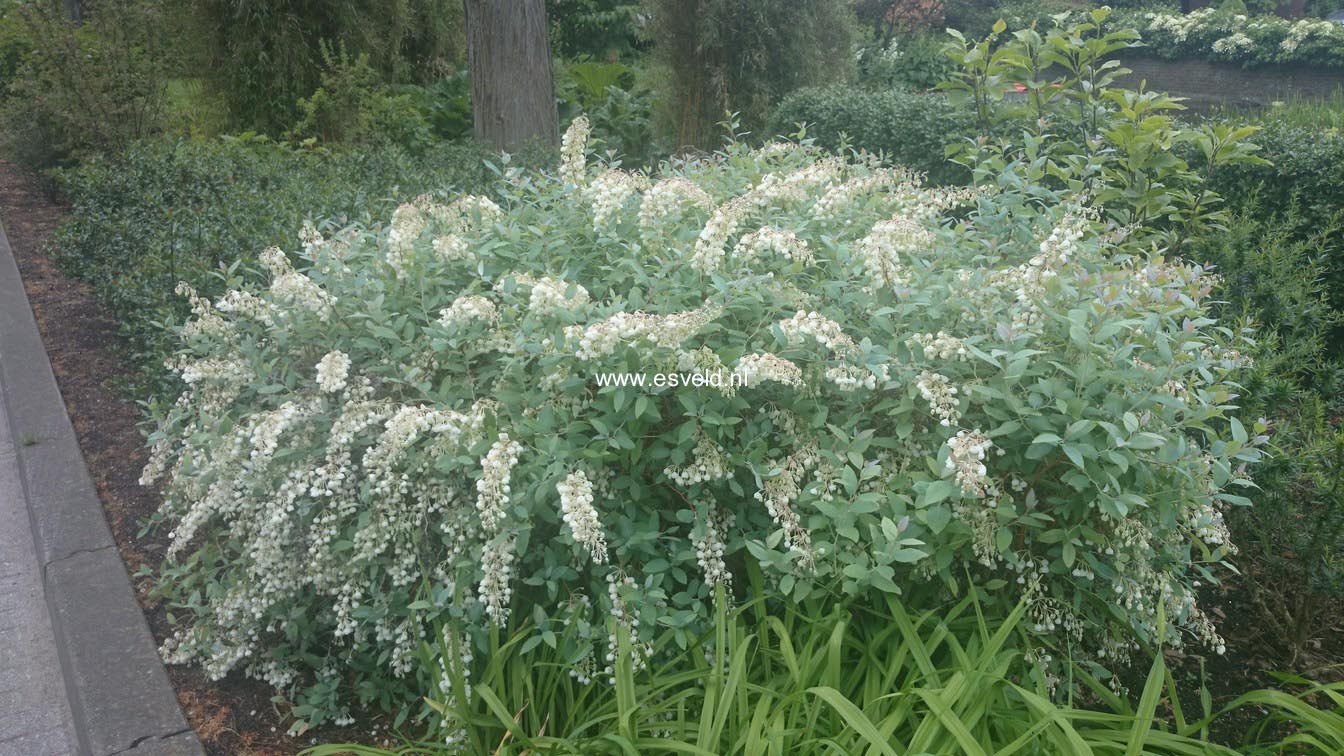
{"type": "Point", "coordinates": [1302, 190]}
{"type": "Point", "coordinates": [171, 210]}
{"type": "Point", "coordinates": [910, 128]}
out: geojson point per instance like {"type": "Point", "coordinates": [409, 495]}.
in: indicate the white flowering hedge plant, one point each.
{"type": "Point", "coordinates": [1219, 35]}
{"type": "Point", "coordinates": [400, 428]}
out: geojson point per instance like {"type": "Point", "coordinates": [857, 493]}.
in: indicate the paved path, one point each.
{"type": "Point", "coordinates": [35, 714]}
{"type": "Point", "coordinates": [79, 671]}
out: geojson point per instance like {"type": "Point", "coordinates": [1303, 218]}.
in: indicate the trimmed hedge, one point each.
{"type": "Point", "coordinates": [910, 128]}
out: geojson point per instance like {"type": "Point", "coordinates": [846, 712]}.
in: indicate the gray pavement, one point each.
{"type": "Point", "coordinates": [79, 671]}
{"type": "Point", "coordinates": [35, 714]}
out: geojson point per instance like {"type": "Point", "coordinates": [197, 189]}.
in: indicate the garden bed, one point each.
{"type": "Point", "coordinates": [231, 717]}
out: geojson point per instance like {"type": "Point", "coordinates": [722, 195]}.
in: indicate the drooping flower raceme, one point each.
{"type": "Point", "coordinates": [576, 506]}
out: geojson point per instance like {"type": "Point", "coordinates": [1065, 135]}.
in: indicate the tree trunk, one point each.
{"type": "Point", "coordinates": [509, 54]}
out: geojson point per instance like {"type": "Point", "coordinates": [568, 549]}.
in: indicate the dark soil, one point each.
{"type": "Point", "coordinates": [234, 717]}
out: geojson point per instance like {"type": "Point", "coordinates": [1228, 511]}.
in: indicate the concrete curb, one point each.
{"type": "Point", "coordinates": [119, 693]}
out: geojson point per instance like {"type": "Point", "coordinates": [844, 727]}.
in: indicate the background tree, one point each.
{"type": "Point", "coordinates": [512, 91]}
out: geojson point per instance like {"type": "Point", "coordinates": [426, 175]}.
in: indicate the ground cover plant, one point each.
{"type": "Point", "coordinates": [406, 429]}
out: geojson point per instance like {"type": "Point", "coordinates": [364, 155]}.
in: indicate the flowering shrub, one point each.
{"type": "Point", "coordinates": [403, 429]}
{"type": "Point", "coordinates": [1220, 35]}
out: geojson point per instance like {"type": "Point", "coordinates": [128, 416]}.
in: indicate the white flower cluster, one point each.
{"type": "Point", "coordinates": [755, 369]}
{"type": "Point", "coordinates": [941, 395]}
{"type": "Point", "coordinates": [609, 192]}
{"type": "Point", "coordinates": [666, 200]}
{"type": "Point", "coordinates": [1307, 29]}
{"type": "Point", "coordinates": [467, 309]}
{"type": "Point", "coordinates": [292, 287]}
{"type": "Point", "coordinates": [1178, 26]}
{"type": "Point", "coordinates": [576, 508]}
{"type": "Point", "coordinates": [310, 238]}
{"type": "Point", "coordinates": [332, 371]}
{"type": "Point", "coordinates": [707, 362]}
{"type": "Point", "coordinates": [467, 212]}
{"type": "Point", "coordinates": [626, 328]}
{"type": "Point", "coordinates": [713, 239]}
{"type": "Point", "coordinates": [966, 458]}
{"type": "Point", "coordinates": [573, 146]}
{"type": "Point", "coordinates": [495, 590]}
{"type": "Point", "coordinates": [451, 247]}
{"type": "Point", "coordinates": [855, 377]}
{"type": "Point", "coordinates": [708, 539]}
{"type": "Point", "coordinates": [823, 330]}
{"type": "Point", "coordinates": [1029, 282]}
{"type": "Point", "coordinates": [404, 428]}
{"type": "Point", "coordinates": [213, 382]}
{"type": "Point", "coordinates": [881, 250]}
{"type": "Point", "coordinates": [408, 222]}
{"type": "Point", "coordinates": [778, 494]}
{"type": "Point", "coordinates": [552, 295]}
{"type": "Point", "coordinates": [773, 191]}
{"type": "Point", "coordinates": [769, 240]}
{"type": "Point", "coordinates": [776, 190]}
{"type": "Point", "coordinates": [1233, 44]}
{"type": "Point", "coordinates": [940, 346]}
{"type": "Point", "coordinates": [247, 305]}
{"type": "Point", "coordinates": [708, 464]}
{"type": "Point", "coordinates": [619, 586]}
{"type": "Point", "coordinates": [492, 490]}
{"type": "Point", "coordinates": [838, 202]}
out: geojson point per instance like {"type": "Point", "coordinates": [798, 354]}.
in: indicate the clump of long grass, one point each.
{"type": "Point", "coordinates": [848, 681]}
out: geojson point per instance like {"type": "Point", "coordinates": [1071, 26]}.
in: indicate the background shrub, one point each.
{"type": "Point", "coordinates": [913, 60]}
{"type": "Point", "coordinates": [83, 89]}
{"type": "Point", "coordinates": [261, 56]}
{"type": "Point", "coordinates": [1299, 193]}
{"type": "Point", "coordinates": [601, 29]}
{"type": "Point", "coordinates": [175, 210]}
{"type": "Point", "coordinates": [351, 106]}
{"type": "Point", "coordinates": [742, 56]}
{"type": "Point", "coordinates": [911, 129]}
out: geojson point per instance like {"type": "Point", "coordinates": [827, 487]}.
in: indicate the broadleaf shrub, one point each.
{"type": "Point", "coordinates": [405, 426]}
{"type": "Point", "coordinates": [80, 89]}
{"type": "Point", "coordinates": [911, 129]}
{"type": "Point", "coordinates": [178, 210]}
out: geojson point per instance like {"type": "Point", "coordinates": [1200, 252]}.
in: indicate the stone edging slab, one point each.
{"type": "Point", "coordinates": [119, 693]}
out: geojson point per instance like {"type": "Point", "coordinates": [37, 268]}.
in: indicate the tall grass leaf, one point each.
{"type": "Point", "coordinates": [1050, 713]}
{"type": "Point", "coordinates": [853, 717]}
{"type": "Point", "coordinates": [501, 712]}
{"type": "Point", "coordinates": [913, 641]}
{"type": "Point", "coordinates": [951, 722]}
{"type": "Point", "coordinates": [1143, 717]}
